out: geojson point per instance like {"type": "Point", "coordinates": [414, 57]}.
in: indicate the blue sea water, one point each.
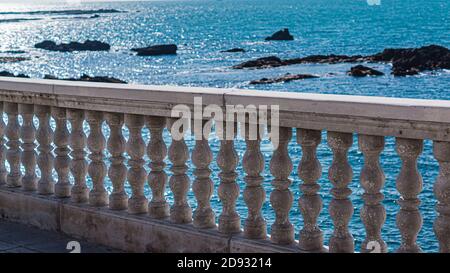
{"type": "Point", "coordinates": [202, 29]}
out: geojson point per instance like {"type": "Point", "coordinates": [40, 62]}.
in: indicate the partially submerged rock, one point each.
{"type": "Point", "coordinates": [168, 49]}
{"type": "Point", "coordinates": [363, 71]}
{"type": "Point", "coordinates": [281, 35]}
{"type": "Point", "coordinates": [286, 78]}
{"type": "Point", "coordinates": [326, 59]}
{"type": "Point", "coordinates": [89, 45]}
{"type": "Point", "coordinates": [233, 50]}
{"type": "Point", "coordinates": [9, 74]}
{"type": "Point", "coordinates": [405, 61]}
{"type": "Point", "coordinates": [13, 59]}
{"type": "Point", "coordinates": [411, 61]}
{"type": "Point", "coordinates": [265, 62]}
{"type": "Point", "coordinates": [87, 78]}
{"type": "Point", "coordinates": [273, 61]}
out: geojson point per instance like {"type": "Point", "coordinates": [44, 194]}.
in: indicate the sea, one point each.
{"type": "Point", "coordinates": [203, 28]}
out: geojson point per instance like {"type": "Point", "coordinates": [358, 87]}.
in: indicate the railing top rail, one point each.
{"type": "Point", "coordinates": [384, 115]}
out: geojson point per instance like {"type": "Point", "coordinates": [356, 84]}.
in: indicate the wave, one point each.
{"type": "Point", "coordinates": [17, 20]}
{"type": "Point", "coordinates": [62, 12]}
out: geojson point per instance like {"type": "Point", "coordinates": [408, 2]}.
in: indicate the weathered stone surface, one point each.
{"type": "Point", "coordinates": [409, 185]}
{"type": "Point", "coordinates": [286, 78]}
{"type": "Point", "coordinates": [373, 213]}
{"type": "Point", "coordinates": [281, 35]}
{"type": "Point", "coordinates": [363, 71]}
{"type": "Point", "coordinates": [281, 197]}
{"type": "Point", "coordinates": [169, 49]}
{"type": "Point", "coordinates": [310, 203]}
{"type": "Point", "coordinates": [88, 45]}
{"type": "Point", "coordinates": [442, 192]}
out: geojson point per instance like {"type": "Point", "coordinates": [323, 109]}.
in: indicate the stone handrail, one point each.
{"type": "Point", "coordinates": [410, 121]}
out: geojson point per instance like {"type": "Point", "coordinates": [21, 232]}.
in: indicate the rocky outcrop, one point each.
{"type": "Point", "coordinates": [326, 59]}
{"type": "Point", "coordinates": [13, 59]}
{"type": "Point", "coordinates": [233, 50]}
{"type": "Point", "coordinates": [87, 78]}
{"type": "Point", "coordinates": [274, 61]}
{"type": "Point", "coordinates": [281, 35]}
{"type": "Point", "coordinates": [411, 61]}
{"type": "Point", "coordinates": [9, 74]}
{"type": "Point", "coordinates": [405, 61]}
{"type": "Point", "coordinates": [363, 71]}
{"type": "Point", "coordinates": [286, 78]}
{"type": "Point", "coordinates": [265, 62]}
{"type": "Point", "coordinates": [156, 50]}
{"type": "Point", "coordinates": [89, 45]}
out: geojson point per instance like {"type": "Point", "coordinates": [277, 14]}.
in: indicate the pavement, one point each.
{"type": "Point", "coordinates": [20, 238]}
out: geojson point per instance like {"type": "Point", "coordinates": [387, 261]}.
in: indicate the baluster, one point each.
{"type": "Point", "coordinates": [281, 197]}
{"type": "Point", "coordinates": [228, 191]}
{"type": "Point", "coordinates": [202, 186]}
{"type": "Point", "coordinates": [12, 132]}
{"type": "Point", "coordinates": [409, 185]}
{"type": "Point", "coordinates": [118, 199]}
{"type": "Point", "coordinates": [442, 191]}
{"type": "Point", "coordinates": [310, 203]}
{"type": "Point", "coordinates": [254, 193]}
{"type": "Point", "coordinates": [136, 175]}
{"type": "Point", "coordinates": [98, 196]}
{"type": "Point", "coordinates": [78, 165]}
{"type": "Point", "coordinates": [28, 135]}
{"type": "Point", "coordinates": [62, 160]}
{"type": "Point", "coordinates": [157, 179]}
{"type": "Point", "coordinates": [180, 212]}
{"type": "Point", "coordinates": [3, 171]}
{"type": "Point", "coordinates": [372, 178]}
{"type": "Point", "coordinates": [341, 209]}
{"type": "Point", "coordinates": [44, 137]}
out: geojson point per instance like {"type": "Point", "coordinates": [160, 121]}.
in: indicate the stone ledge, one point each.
{"type": "Point", "coordinates": [120, 230]}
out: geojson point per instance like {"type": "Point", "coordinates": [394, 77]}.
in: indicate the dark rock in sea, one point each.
{"type": "Point", "coordinates": [9, 74]}
{"type": "Point", "coordinates": [274, 61]}
{"type": "Point", "coordinates": [156, 50]}
{"type": "Point", "coordinates": [286, 78]}
{"type": "Point", "coordinates": [13, 59]}
{"type": "Point", "coordinates": [233, 50]}
{"type": "Point", "coordinates": [89, 45]}
{"type": "Point", "coordinates": [411, 61]}
{"type": "Point", "coordinates": [271, 61]}
{"type": "Point", "coordinates": [325, 59]}
{"type": "Point", "coordinates": [405, 61]}
{"type": "Point", "coordinates": [281, 35]}
{"type": "Point", "coordinates": [363, 71]}
{"type": "Point", "coordinates": [87, 78]}
{"type": "Point", "coordinates": [14, 52]}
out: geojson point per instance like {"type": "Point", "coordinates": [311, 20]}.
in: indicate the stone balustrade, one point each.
{"type": "Point", "coordinates": [53, 175]}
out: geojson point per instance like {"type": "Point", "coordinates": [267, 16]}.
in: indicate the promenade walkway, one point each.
{"type": "Point", "coordinates": [19, 238]}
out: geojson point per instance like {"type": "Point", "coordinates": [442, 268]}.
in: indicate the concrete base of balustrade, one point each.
{"type": "Point", "coordinates": [121, 230]}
